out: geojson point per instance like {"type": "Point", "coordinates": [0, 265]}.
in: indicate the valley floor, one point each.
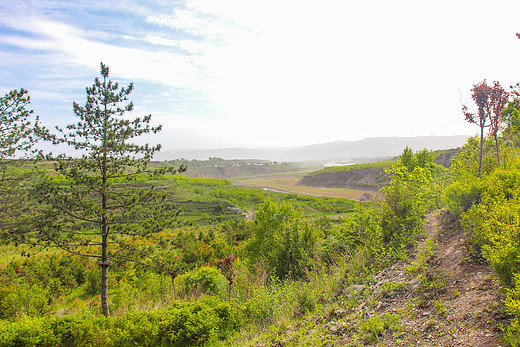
{"type": "Point", "coordinates": [290, 184]}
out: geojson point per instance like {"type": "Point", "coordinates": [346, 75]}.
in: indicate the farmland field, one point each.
{"type": "Point", "coordinates": [289, 184]}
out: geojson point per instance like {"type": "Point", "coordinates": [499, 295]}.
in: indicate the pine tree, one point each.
{"type": "Point", "coordinates": [20, 130]}
{"type": "Point", "coordinates": [94, 207]}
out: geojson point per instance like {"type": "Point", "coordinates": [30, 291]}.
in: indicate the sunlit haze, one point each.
{"type": "Point", "coordinates": [265, 73]}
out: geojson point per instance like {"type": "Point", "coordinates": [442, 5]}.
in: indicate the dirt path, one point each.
{"type": "Point", "coordinates": [439, 296]}
{"type": "Point", "coordinates": [452, 300]}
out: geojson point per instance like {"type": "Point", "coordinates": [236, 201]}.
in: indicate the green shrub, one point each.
{"type": "Point", "coordinates": [28, 331]}
{"type": "Point", "coordinates": [139, 328]}
{"type": "Point", "coordinates": [360, 228]}
{"type": "Point", "coordinates": [199, 322]}
{"type": "Point", "coordinates": [512, 305]}
{"type": "Point", "coordinates": [184, 324]}
{"type": "Point", "coordinates": [378, 325]}
{"type": "Point", "coordinates": [465, 165]}
{"type": "Point", "coordinates": [283, 240]}
{"type": "Point", "coordinates": [407, 199]}
{"type": "Point", "coordinates": [92, 282]}
{"type": "Point", "coordinates": [305, 301]}
{"type": "Point", "coordinates": [260, 307]}
{"type": "Point", "coordinates": [491, 226]}
{"type": "Point", "coordinates": [460, 196]}
{"type": "Point", "coordinates": [496, 233]}
{"type": "Point", "coordinates": [476, 225]}
{"type": "Point", "coordinates": [204, 280]}
{"type": "Point", "coordinates": [492, 230]}
{"type": "Point", "coordinates": [78, 330]}
{"type": "Point", "coordinates": [18, 300]}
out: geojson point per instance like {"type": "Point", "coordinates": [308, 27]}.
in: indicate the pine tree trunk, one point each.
{"type": "Point", "coordinates": [105, 262]}
{"type": "Point", "coordinates": [104, 290]}
{"type": "Point", "coordinates": [104, 221]}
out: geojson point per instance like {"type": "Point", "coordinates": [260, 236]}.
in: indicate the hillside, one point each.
{"type": "Point", "coordinates": [438, 296]}
{"type": "Point", "coordinates": [374, 147]}
{"type": "Point", "coordinates": [370, 176]}
{"type": "Point", "coordinates": [371, 179]}
{"type": "Point", "coordinates": [228, 169]}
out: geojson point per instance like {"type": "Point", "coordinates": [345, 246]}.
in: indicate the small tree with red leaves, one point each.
{"type": "Point", "coordinates": [490, 101]}
{"type": "Point", "coordinates": [498, 99]}
{"type": "Point", "coordinates": [228, 270]}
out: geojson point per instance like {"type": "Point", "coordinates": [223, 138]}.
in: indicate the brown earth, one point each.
{"type": "Point", "coordinates": [465, 311]}
{"type": "Point", "coordinates": [439, 296]}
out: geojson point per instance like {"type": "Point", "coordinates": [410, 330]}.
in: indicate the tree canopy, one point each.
{"type": "Point", "coordinates": [96, 204]}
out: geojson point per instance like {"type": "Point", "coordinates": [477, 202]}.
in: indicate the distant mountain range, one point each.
{"type": "Point", "coordinates": [369, 148]}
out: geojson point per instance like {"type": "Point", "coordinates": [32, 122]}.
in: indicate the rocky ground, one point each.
{"type": "Point", "coordinates": [439, 296]}
{"type": "Point", "coordinates": [454, 300]}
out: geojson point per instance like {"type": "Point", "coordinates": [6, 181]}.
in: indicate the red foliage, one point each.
{"type": "Point", "coordinates": [499, 98]}
{"type": "Point", "coordinates": [490, 101]}
{"type": "Point", "coordinates": [227, 268]}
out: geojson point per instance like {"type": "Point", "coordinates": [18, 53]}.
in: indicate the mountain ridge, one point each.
{"type": "Point", "coordinates": [368, 148]}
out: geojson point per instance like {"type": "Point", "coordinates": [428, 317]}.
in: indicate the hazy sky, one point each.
{"type": "Point", "coordinates": [262, 73]}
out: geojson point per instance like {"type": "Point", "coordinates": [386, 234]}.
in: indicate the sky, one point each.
{"type": "Point", "coordinates": [264, 73]}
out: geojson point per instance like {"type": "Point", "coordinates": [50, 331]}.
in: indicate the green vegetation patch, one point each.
{"type": "Point", "coordinates": [377, 165]}
{"type": "Point", "coordinates": [182, 324]}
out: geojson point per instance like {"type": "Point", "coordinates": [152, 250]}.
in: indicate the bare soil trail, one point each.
{"type": "Point", "coordinates": [462, 304]}
{"type": "Point", "coordinates": [439, 296]}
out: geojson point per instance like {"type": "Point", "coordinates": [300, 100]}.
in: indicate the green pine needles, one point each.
{"type": "Point", "coordinates": [18, 130]}
{"type": "Point", "coordinates": [94, 206]}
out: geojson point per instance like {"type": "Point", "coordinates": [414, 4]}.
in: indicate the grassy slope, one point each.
{"type": "Point", "coordinates": [438, 296]}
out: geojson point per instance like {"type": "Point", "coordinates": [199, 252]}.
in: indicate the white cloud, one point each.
{"type": "Point", "coordinates": [157, 40]}
{"type": "Point", "coordinates": [291, 72]}
{"type": "Point", "coordinates": [133, 63]}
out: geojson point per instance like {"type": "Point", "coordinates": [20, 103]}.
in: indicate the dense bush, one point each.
{"type": "Point", "coordinates": [465, 164]}
{"type": "Point", "coordinates": [461, 195]}
{"type": "Point", "coordinates": [204, 280]}
{"type": "Point", "coordinates": [183, 324]}
{"type": "Point", "coordinates": [21, 300]}
{"type": "Point", "coordinates": [359, 228]}
{"type": "Point", "coordinates": [410, 194]}
{"type": "Point", "coordinates": [489, 210]}
{"type": "Point", "coordinates": [282, 240]}
{"type": "Point", "coordinates": [492, 225]}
